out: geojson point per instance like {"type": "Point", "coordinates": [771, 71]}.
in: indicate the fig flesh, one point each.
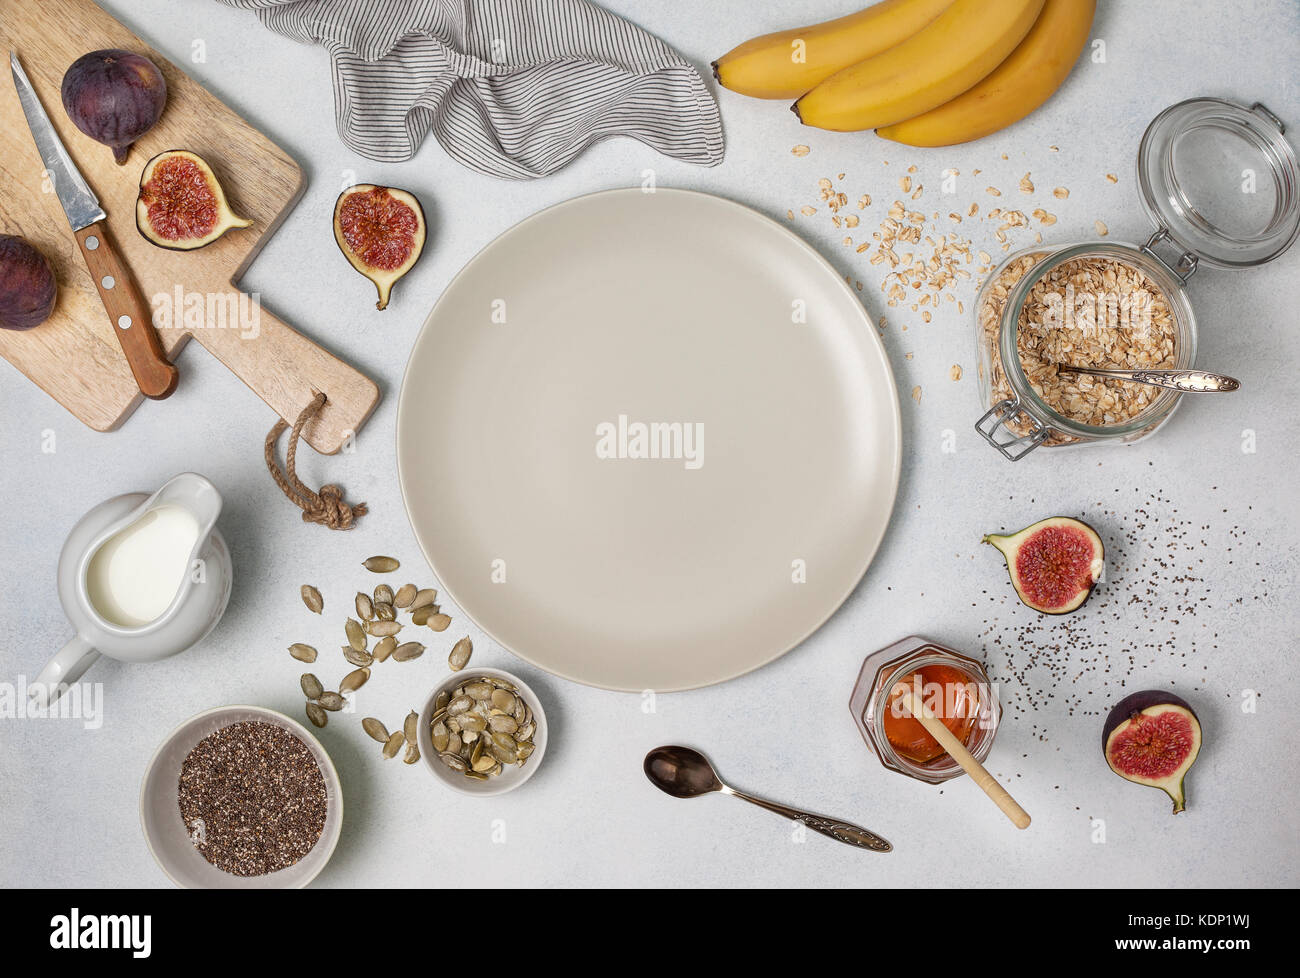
{"type": "Point", "coordinates": [28, 289]}
{"type": "Point", "coordinates": [1152, 738]}
{"type": "Point", "coordinates": [381, 232]}
{"type": "Point", "coordinates": [1054, 564]}
{"type": "Point", "coordinates": [114, 97]}
{"type": "Point", "coordinates": [181, 205]}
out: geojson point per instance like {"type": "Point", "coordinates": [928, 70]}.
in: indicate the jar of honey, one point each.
{"type": "Point", "coordinates": [954, 687]}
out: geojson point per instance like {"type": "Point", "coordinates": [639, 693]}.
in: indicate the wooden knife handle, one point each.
{"type": "Point", "coordinates": [128, 312]}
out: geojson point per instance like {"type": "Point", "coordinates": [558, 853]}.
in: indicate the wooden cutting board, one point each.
{"type": "Point", "coordinates": [74, 355]}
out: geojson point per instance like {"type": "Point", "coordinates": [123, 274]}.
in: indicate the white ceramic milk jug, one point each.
{"type": "Point", "coordinates": [141, 577]}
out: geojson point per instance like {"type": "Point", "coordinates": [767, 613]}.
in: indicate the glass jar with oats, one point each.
{"type": "Point", "coordinates": [1222, 185]}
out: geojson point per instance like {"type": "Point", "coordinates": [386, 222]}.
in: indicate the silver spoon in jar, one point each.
{"type": "Point", "coordinates": [686, 773]}
{"type": "Point", "coordinates": [1187, 381]}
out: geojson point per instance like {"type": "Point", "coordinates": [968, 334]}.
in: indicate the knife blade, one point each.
{"type": "Point", "coordinates": [78, 200]}
{"type": "Point", "coordinates": [125, 304]}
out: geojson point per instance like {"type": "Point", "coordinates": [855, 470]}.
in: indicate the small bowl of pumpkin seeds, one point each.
{"type": "Point", "coordinates": [483, 732]}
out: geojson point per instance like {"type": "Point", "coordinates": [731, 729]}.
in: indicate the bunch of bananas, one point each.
{"type": "Point", "coordinates": [920, 72]}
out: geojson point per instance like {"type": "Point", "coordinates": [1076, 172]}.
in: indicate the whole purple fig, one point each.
{"type": "Point", "coordinates": [114, 97]}
{"type": "Point", "coordinates": [27, 286]}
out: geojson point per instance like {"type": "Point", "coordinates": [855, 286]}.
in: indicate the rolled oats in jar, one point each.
{"type": "Point", "coordinates": [1105, 304]}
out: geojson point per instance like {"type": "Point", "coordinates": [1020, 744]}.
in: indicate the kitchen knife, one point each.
{"type": "Point", "coordinates": [126, 307]}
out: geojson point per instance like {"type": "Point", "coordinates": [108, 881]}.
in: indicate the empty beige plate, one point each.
{"type": "Point", "coordinates": [648, 440]}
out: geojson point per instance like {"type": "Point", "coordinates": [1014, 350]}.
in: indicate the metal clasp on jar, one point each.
{"type": "Point", "coordinates": [1018, 446]}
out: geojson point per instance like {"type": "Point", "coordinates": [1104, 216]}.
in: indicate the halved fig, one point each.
{"type": "Point", "coordinates": [1152, 738]}
{"type": "Point", "coordinates": [381, 231]}
{"type": "Point", "coordinates": [1054, 564]}
{"type": "Point", "coordinates": [181, 205]}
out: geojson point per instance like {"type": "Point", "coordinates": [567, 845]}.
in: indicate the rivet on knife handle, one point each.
{"type": "Point", "coordinates": [128, 312]}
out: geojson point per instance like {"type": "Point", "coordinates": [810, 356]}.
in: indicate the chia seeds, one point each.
{"type": "Point", "coordinates": [253, 798]}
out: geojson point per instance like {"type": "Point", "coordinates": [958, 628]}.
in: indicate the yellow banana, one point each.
{"type": "Point", "coordinates": [788, 63]}
{"type": "Point", "coordinates": [958, 49]}
{"type": "Point", "coordinates": [1016, 87]}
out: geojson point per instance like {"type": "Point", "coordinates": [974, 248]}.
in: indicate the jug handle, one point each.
{"type": "Point", "coordinates": [63, 670]}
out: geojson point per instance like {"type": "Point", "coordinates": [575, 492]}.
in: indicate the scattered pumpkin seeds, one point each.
{"type": "Point", "coordinates": [356, 634]}
{"type": "Point", "coordinates": [383, 629]}
{"type": "Point", "coordinates": [384, 648]}
{"type": "Point", "coordinates": [331, 701]}
{"type": "Point", "coordinates": [380, 565]}
{"type": "Point", "coordinates": [383, 594]}
{"type": "Point", "coordinates": [460, 652]}
{"type": "Point", "coordinates": [404, 596]}
{"type": "Point", "coordinates": [375, 729]}
{"type": "Point", "coordinates": [385, 611]}
{"type": "Point", "coordinates": [409, 726]}
{"type": "Point", "coordinates": [312, 599]}
{"type": "Point", "coordinates": [354, 680]}
{"type": "Point", "coordinates": [365, 608]}
{"type": "Point", "coordinates": [316, 715]}
{"type": "Point", "coordinates": [395, 741]}
{"type": "Point", "coordinates": [439, 622]}
{"type": "Point", "coordinates": [357, 658]}
{"type": "Point", "coordinates": [408, 651]}
{"type": "Point", "coordinates": [303, 653]}
{"type": "Point", "coordinates": [311, 687]}
{"type": "Point", "coordinates": [423, 597]}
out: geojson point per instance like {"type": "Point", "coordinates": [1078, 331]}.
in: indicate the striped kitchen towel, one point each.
{"type": "Point", "coordinates": [512, 88]}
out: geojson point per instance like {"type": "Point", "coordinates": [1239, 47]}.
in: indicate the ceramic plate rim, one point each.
{"type": "Point", "coordinates": [873, 341]}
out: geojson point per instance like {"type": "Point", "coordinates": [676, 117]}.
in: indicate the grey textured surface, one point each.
{"type": "Point", "coordinates": [589, 816]}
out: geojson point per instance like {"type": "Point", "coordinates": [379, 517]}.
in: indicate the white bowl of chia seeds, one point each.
{"type": "Point", "coordinates": [514, 700]}
{"type": "Point", "coordinates": [241, 798]}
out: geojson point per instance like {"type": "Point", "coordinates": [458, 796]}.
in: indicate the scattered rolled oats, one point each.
{"type": "Point", "coordinates": [993, 191]}
{"type": "Point", "coordinates": [1101, 228]}
{"type": "Point", "coordinates": [1026, 185]}
{"type": "Point", "coordinates": [955, 371]}
{"type": "Point", "coordinates": [1060, 193]}
{"type": "Point", "coordinates": [1112, 178]}
{"type": "Point", "coordinates": [801, 150]}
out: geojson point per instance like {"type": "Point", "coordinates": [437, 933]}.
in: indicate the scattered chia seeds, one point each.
{"type": "Point", "coordinates": [1166, 599]}
{"type": "Point", "coordinates": [253, 798]}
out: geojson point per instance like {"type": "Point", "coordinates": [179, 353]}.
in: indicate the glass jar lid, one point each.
{"type": "Point", "coordinates": [1221, 180]}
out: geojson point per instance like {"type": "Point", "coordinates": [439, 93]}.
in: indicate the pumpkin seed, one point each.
{"type": "Point", "coordinates": [385, 612]}
{"type": "Point", "coordinates": [395, 741]}
{"type": "Point", "coordinates": [409, 724]}
{"type": "Point", "coordinates": [331, 701]}
{"type": "Point", "coordinates": [408, 651]}
{"type": "Point", "coordinates": [524, 752]}
{"type": "Point", "coordinates": [503, 724]}
{"type": "Point", "coordinates": [312, 599]}
{"type": "Point", "coordinates": [460, 704]}
{"type": "Point", "coordinates": [412, 754]}
{"type": "Point", "coordinates": [438, 732]}
{"type": "Point", "coordinates": [382, 629]}
{"type": "Point", "coordinates": [316, 715]}
{"type": "Point", "coordinates": [454, 744]}
{"type": "Point", "coordinates": [383, 594]}
{"type": "Point", "coordinates": [376, 729]}
{"type": "Point", "coordinates": [354, 680]}
{"type": "Point", "coordinates": [423, 597]}
{"type": "Point", "coordinates": [472, 722]}
{"type": "Point", "coordinates": [442, 700]}
{"type": "Point", "coordinates": [460, 653]}
{"type": "Point", "coordinates": [303, 653]}
{"type": "Point", "coordinates": [421, 616]}
{"type": "Point", "coordinates": [384, 648]}
{"type": "Point", "coordinates": [501, 754]}
{"type": "Point", "coordinates": [356, 634]}
{"type": "Point", "coordinates": [475, 776]}
{"type": "Point", "coordinates": [483, 764]}
{"type": "Point", "coordinates": [503, 700]}
{"type": "Point", "coordinates": [524, 731]}
{"type": "Point", "coordinates": [404, 596]}
{"type": "Point", "coordinates": [478, 690]}
{"type": "Point", "coordinates": [453, 761]}
{"type": "Point", "coordinates": [380, 565]}
{"type": "Point", "coordinates": [439, 622]}
{"type": "Point", "coordinates": [365, 609]}
{"type": "Point", "coordinates": [311, 687]}
{"type": "Point", "coordinates": [357, 658]}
